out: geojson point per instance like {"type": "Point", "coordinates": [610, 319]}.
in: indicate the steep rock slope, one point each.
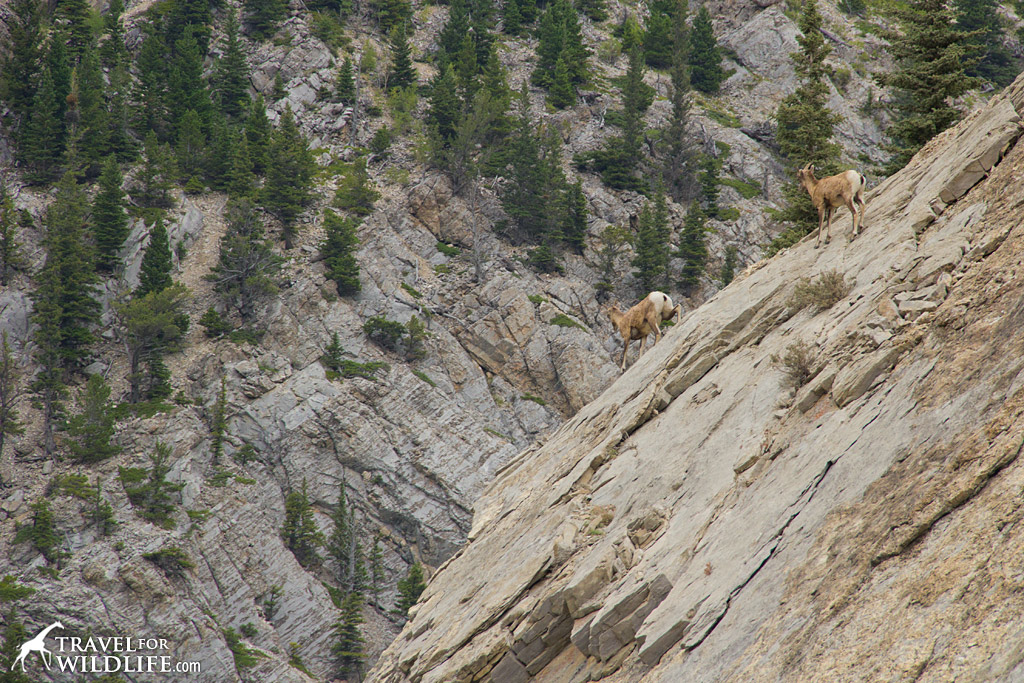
{"type": "Point", "coordinates": [703, 521]}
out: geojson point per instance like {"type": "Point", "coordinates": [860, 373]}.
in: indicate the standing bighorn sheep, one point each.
{"type": "Point", "coordinates": [830, 193]}
{"type": "Point", "coordinates": [642, 319]}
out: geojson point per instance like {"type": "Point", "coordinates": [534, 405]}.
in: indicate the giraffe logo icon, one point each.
{"type": "Point", "coordinates": [37, 645]}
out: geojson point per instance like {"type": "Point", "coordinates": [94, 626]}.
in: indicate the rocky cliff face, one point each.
{"type": "Point", "coordinates": [503, 369]}
{"type": "Point", "coordinates": [704, 519]}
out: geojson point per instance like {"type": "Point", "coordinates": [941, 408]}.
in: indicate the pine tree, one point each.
{"type": "Point", "coordinates": [445, 108]}
{"type": "Point", "coordinates": [20, 63]}
{"type": "Point", "coordinates": [10, 393]}
{"type": "Point", "coordinates": [11, 258]}
{"type": "Point", "coordinates": [154, 178]}
{"type": "Point", "coordinates": [223, 141]}
{"type": "Point", "coordinates": [534, 179]}
{"type": "Point", "coordinates": [348, 646]}
{"type": "Point", "coordinates": [42, 137]}
{"type": "Point", "coordinates": [258, 134]}
{"type": "Point", "coordinates": [356, 193]}
{"type": "Point", "coordinates": [113, 50]}
{"type": "Point", "coordinates": [931, 62]}
{"type": "Point", "coordinates": [376, 569]}
{"type": "Point", "coordinates": [14, 635]}
{"type": "Point", "coordinates": [149, 491]}
{"type": "Point", "coordinates": [559, 35]}
{"type": "Point", "coordinates": [617, 162]}
{"type": "Point", "coordinates": [728, 272]}
{"type": "Point", "coordinates": [709, 186]}
{"type": "Point", "coordinates": [289, 179]}
{"type": "Point", "coordinates": [93, 427]}
{"type": "Point", "coordinates": [151, 326]}
{"type": "Point", "coordinates": [343, 545]}
{"type": "Point", "coordinates": [651, 245]}
{"type": "Point", "coordinates": [338, 251]}
{"type": "Point", "coordinates": [574, 229]}
{"type": "Point", "coordinates": [248, 269]}
{"type": "Point", "coordinates": [658, 36]}
{"type": "Point", "coordinates": [706, 72]}
{"type": "Point", "coordinates": [102, 513]}
{"type": "Point", "coordinates": [191, 145]}
{"type": "Point", "coordinates": [43, 535]}
{"type": "Point", "coordinates": [219, 425]}
{"type": "Point", "coordinates": [401, 74]}
{"type": "Point", "coordinates": [240, 181]}
{"type": "Point", "coordinates": [151, 93]}
{"type": "Point", "coordinates": [981, 18]}
{"type": "Point", "coordinates": [693, 250]}
{"type": "Point", "coordinates": [345, 87]}
{"type": "Point", "coordinates": [93, 117]}
{"type": "Point", "coordinates": [121, 141]}
{"type": "Point", "coordinates": [69, 274]}
{"type": "Point", "coordinates": [561, 94]}
{"type": "Point", "coordinates": [72, 19]}
{"type": "Point", "coordinates": [594, 9]}
{"type": "Point", "coordinates": [155, 274]}
{"type": "Point", "coordinates": [186, 89]}
{"type": "Point", "coordinates": [392, 13]}
{"type": "Point", "coordinates": [109, 220]}
{"type": "Point", "coordinates": [263, 16]}
{"type": "Point", "coordinates": [232, 72]}
{"type": "Point", "coordinates": [678, 162]}
{"type": "Point", "coordinates": [410, 589]}
{"type": "Point", "coordinates": [300, 532]}
{"type": "Point", "coordinates": [806, 127]}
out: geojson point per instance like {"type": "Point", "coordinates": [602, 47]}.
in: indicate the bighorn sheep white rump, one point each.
{"type": "Point", "coordinates": [827, 194]}
{"type": "Point", "coordinates": [642, 319]}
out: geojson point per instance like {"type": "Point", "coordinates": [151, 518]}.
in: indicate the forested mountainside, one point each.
{"type": "Point", "coordinates": [283, 287]}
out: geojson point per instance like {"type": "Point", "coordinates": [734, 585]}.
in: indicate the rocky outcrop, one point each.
{"type": "Point", "coordinates": [704, 519]}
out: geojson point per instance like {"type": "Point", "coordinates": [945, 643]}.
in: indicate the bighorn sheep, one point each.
{"type": "Point", "coordinates": [830, 193]}
{"type": "Point", "coordinates": [642, 319]}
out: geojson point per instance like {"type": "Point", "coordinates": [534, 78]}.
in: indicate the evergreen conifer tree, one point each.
{"type": "Point", "coordinates": [392, 13]}
{"type": "Point", "coordinates": [709, 185]}
{"type": "Point", "coordinates": [287, 189]}
{"type": "Point", "coordinates": [69, 273]}
{"type": "Point", "coordinates": [149, 491]}
{"type": "Point", "coordinates": [561, 94]}
{"type": "Point", "coordinates": [93, 117]}
{"type": "Point", "coordinates": [348, 646]}
{"type": "Point", "coordinates": [806, 127]}
{"type": "Point", "coordinates": [154, 178]}
{"type": "Point", "coordinates": [376, 569]}
{"type": "Point", "coordinates": [113, 51]}
{"type": "Point", "coordinates": [109, 220]}
{"type": "Point", "coordinates": [263, 16]}
{"type": "Point", "coordinates": [338, 250]}
{"type": "Point", "coordinates": [10, 393]}
{"type": "Point", "coordinates": [240, 181]}
{"type": "Point", "coordinates": [594, 9]}
{"type": "Point", "coordinates": [355, 193]}
{"type": "Point", "coordinates": [931, 54]}
{"type": "Point", "coordinates": [191, 145]}
{"type": "Point", "coordinates": [42, 137]}
{"type": "Point", "coordinates": [574, 229]}
{"type": "Point", "coordinates": [151, 325]}
{"type": "Point", "coordinates": [258, 134]}
{"type": "Point", "coordinates": [345, 87]}
{"type": "Point", "coordinates": [658, 46]}
{"type": "Point", "coordinates": [72, 19]}
{"type": "Point", "coordinates": [409, 589]}
{"type": "Point", "coordinates": [92, 428]}
{"type": "Point", "coordinates": [14, 635]}
{"type": "Point", "coordinates": [186, 89]}
{"type": "Point", "coordinates": [651, 244]}
{"type": "Point", "coordinates": [300, 532]}
{"type": "Point", "coordinates": [151, 93]}
{"type": "Point", "coordinates": [20, 62]}
{"type": "Point", "coordinates": [559, 35]}
{"type": "Point", "coordinates": [401, 74]}
{"type": "Point", "coordinates": [706, 72]}
{"type": "Point", "coordinates": [981, 19]}
{"type": "Point", "coordinates": [120, 138]}
{"type": "Point", "coordinates": [445, 108]}
{"type": "Point", "coordinates": [232, 72]}
{"type": "Point", "coordinates": [678, 162]}
{"type": "Point", "coordinates": [692, 249]}
{"type": "Point", "coordinates": [155, 274]}
{"type": "Point", "coordinates": [43, 535]}
{"type": "Point", "coordinates": [11, 258]}
{"type": "Point", "coordinates": [248, 268]}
